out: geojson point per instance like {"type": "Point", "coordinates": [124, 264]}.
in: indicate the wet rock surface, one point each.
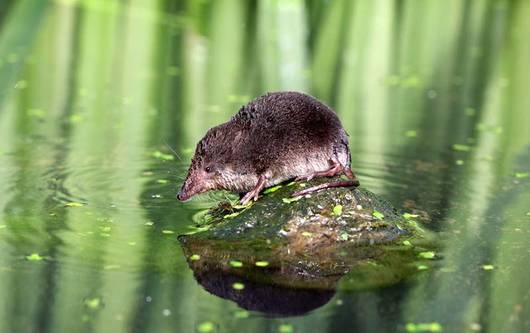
{"type": "Point", "coordinates": [304, 245]}
{"type": "Point", "coordinates": [339, 215]}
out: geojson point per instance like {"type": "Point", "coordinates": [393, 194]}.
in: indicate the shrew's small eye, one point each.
{"type": "Point", "coordinates": [208, 169]}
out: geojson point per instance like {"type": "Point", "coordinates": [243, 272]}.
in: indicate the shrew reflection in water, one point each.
{"type": "Point", "coordinates": [266, 298]}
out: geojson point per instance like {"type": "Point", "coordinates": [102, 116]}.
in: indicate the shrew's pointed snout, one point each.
{"type": "Point", "coordinates": [188, 189]}
{"type": "Point", "coordinates": [194, 184]}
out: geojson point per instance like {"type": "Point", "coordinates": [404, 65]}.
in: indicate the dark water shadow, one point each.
{"type": "Point", "coordinates": [281, 284]}
{"type": "Point", "coordinates": [274, 300]}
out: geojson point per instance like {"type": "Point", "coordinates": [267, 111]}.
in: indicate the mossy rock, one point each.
{"type": "Point", "coordinates": [333, 215]}
{"type": "Point", "coordinates": [305, 243]}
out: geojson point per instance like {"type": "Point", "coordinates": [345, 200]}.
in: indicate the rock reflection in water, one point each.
{"type": "Point", "coordinates": [291, 284]}
{"type": "Point", "coordinates": [288, 259]}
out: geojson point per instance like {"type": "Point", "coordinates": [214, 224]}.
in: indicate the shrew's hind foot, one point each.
{"type": "Point", "coordinates": [335, 169]}
{"type": "Point", "coordinates": [349, 173]}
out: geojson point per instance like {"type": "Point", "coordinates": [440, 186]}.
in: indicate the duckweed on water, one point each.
{"type": "Point", "coordinates": [241, 314]}
{"type": "Point", "coordinates": [238, 286]}
{"type": "Point", "coordinates": [427, 255]}
{"type": "Point", "coordinates": [161, 156]}
{"type": "Point", "coordinates": [285, 328]}
{"type": "Point", "coordinates": [105, 228]}
{"type": "Point", "coordinates": [460, 147]}
{"type": "Point", "coordinates": [206, 327]}
{"type": "Point", "coordinates": [337, 210]}
{"type": "Point", "coordinates": [93, 303]}
{"type": "Point", "coordinates": [74, 204]}
{"type": "Point", "coordinates": [424, 327]}
{"type": "Point", "coordinates": [522, 174]}
{"type": "Point", "coordinates": [235, 263]}
{"type": "Point", "coordinates": [34, 257]}
{"type": "Point", "coordinates": [110, 267]}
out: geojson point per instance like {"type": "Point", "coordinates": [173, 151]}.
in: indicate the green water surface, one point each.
{"type": "Point", "coordinates": [434, 94]}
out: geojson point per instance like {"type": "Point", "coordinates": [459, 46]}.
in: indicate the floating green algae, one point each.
{"type": "Point", "coordinates": [34, 257]}
{"type": "Point", "coordinates": [74, 204]}
{"type": "Point", "coordinates": [424, 327]}
{"type": "Point", "coordinates": [261, 263]}
{"type": "Point", "coordinates": [162, 156]}
{"type": "Point", "coordinates": [206, 327]}
{"type": "Point", "coordinates": [238, 286]}
{"type": "Point", "coordinates": [235, 263]}
{"type": "Point", "coordinates": [285, 328]}
{"type": "Point", "coordinates": [93, 303]}
{"type": "Point", "coordinates": [461, 147]}
{"type": "Point", "coordinates": [427, 255]}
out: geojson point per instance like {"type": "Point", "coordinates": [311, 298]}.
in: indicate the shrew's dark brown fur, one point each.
{"type": "Point", "coordinates": [273, 138]}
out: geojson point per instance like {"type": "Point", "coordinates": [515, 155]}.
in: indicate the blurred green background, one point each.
{"type": "Point", "coordinates": [435, 96]}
